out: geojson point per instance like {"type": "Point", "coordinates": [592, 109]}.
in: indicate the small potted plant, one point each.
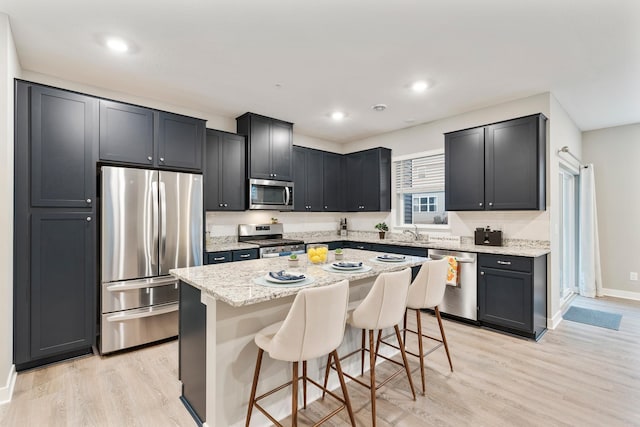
{"type": "Point", "coordinates": [338, 253]}
{"type": "Point", "coordinates": [382, 228]}
{"type": "Point", "coordinates": [274, 220]}
{"type": "Point", "coordinates": [293, 260]}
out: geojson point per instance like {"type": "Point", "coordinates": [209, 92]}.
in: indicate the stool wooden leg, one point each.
{"type": "Point", "coordinates": [326, 373]}
{"type": "Point", "coordinates": [378, 343]}
{"type": "Point", "coordinates": [362, 355]}
{"type": "Point", "coordinates": [404, 326]}
{"type": "Point", "coordinates": [343, 386]}
{"type": "Point", "coordinates": [404, 359]}
{"type": "Point", "coordinates": [304, 383]}
{"type": "Point", "coordinates": [421, 349]}
{"type": "Point", "coordinates": [444, 339]}
{"type": "Point", "coordinates": [372, 372]}
{"type": "Point", "coordinates": [294, 396]}
{"type": "Point", "coordinates": [252, 398]}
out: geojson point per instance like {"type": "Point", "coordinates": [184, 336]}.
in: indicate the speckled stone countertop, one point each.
{"type": "Point", "coordinates": [233, 283]}
{"type": "Point", "coordinates": [526, 248]}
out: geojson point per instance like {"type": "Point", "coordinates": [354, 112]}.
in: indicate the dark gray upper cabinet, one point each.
{"type": "Point", "coordinates": [63, 135]}
{"type": "Point", "coordinates": [142, 136]}
{"type": "Point", "coordinates": [497, 167]}
{"type": "Point", "coordinates": [368, 175]}
{"type": "Point", "coordinates": [224, 172]}
{"type": "Point", "coordinates": [63, 279]}
{"type": "Point", "coordinates": [333, 188]}
{"type": "Point", "coordinates": [269, 146]}
{"type": "Point", "coordinates": [126, 133]}
{"type": "Point", "coordinates": [308, 180]}
{"type": "Point", "coordinates": [180, 141]}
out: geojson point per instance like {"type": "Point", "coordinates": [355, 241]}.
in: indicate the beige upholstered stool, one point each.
{"type": "Point", "coordinates": [383, 307]}
{"type": "Point", "coordinates": [314, 327]}
{"type": "Point", "coordinates": [427, 292]}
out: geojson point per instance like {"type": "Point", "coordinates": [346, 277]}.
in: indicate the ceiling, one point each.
{"type": "Point", "coordinates": [298, 60]}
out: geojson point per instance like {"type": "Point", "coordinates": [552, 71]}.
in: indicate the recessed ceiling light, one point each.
{"type": "Point", "coordinates": [337, 115]}
{"type": "Point", "coordinates": [410, 121]}
{"type": "Point", "coordinates": [117, 45]}
{"type": "Point", "coordinates": [419, 86]}
{"type": "Point", "coordinates": [379, 107]}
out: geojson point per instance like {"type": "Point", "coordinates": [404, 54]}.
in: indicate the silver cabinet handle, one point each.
{"type": "Point", "coordinates": [225, 205]}
{"type": "Point", "coordinates": [326, 207]}
{"type": "Point", "coordinates": [490, 203]}
{"type": "Point", "coordinates": [88, 218]}
{"type": "Point", "coordinates": [88, 200]}
{"type": "Point", "coordinates": [482, 273]}
{"type": "Point", "coordinates": [162, 159]}
{"type": "Point", "coordinates": [245, 256]}
{"type": "Point", "coordinates": [480, 204]}
{"type": "Point", "coordinates": [149, 158]}
{"type": "Point", "coordinates": [220, 258]}
{"type": "Point", "coordinates": [220, 204]}
{"type": "Point", "coordinates": [504, 262]}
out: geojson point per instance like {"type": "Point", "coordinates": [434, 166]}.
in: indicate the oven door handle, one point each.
{"type": "Point", "coordinates": [144, 312]}
{"type": "Point", "coordinates": [271, 255]}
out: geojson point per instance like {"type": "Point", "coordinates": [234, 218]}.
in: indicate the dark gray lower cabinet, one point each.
{"type": "Point", "coordinates": [512, 293]}
{"type": "Point", "coordinates": [193, 351]}
{"type": "Point", "coordinates": [230, 256]}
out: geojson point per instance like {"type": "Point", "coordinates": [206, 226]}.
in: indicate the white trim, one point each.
{"type": "Point", "coordinates": [7, 390]}
{"type": "Point", "coordinates": [621, 294]}
{"type": "Point", "coordinates": [555, 321]}
{"type": "Point", "coordinates": [416, 155]}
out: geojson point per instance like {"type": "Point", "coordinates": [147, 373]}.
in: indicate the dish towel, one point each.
{"type": "Point", "coordinates": [348, 264]}
{"type": "Point", "coordinates": [453, 273]}
{"type": "Point", "coordinates": [281, 275]}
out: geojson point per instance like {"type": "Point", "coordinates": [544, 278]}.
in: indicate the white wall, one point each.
{"type": "Point", "coordinates": [562, 131]}
{"type": "Point", "coordinates": [615, 153]}
{"type": "Point", "coordinates": [429, 136]}
{"type": "Point", "coordinates": [9, 69]}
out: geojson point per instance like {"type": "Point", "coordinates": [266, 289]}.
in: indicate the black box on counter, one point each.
{"type": "Point", "coordinates": [485, 236]}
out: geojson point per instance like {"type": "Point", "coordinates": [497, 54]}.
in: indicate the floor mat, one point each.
{"type": "Point", "coordinates": [603, 319]}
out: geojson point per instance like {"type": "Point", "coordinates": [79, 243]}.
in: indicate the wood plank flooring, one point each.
{"type": "Point", "coordinates": [577, 375]}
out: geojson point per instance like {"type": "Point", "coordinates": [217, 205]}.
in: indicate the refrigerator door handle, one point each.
{"type": "Point", "coordinates": [154, 204]}
{"type": "Point", "coordinates": [163, 222]}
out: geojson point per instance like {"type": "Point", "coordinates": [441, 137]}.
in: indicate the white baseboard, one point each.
{"type": "Point", "coordinates": [621, 294]}
{"type": "Point", "coordinates": [6, 391]}
{"type": "Point", "coordinates": [555, 320]}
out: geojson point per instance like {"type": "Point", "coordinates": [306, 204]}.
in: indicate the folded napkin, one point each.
{"type": "Point", "coordinates": [394, 257]}
{"type": "Point", "coordinates": [347, 264]}
{"type": "Point", "coordinates": [281, 275]}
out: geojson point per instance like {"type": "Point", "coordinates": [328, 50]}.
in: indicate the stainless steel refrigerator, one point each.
{"type": "Point", "coordinates": [151, 222]}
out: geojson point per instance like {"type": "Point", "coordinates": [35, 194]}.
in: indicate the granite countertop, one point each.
{"type": "Point", "coordinates": [229, 246]}
{"type": "Point", "coordinates": [233, 283]}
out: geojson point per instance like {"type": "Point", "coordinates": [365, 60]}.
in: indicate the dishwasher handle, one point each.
{"type": "Point", "coordinates": [462, 260]}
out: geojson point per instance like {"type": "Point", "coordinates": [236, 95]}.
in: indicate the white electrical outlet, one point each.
{"type": "Point", "coordinates": [633, 276]}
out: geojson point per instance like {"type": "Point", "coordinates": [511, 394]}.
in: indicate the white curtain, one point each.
{"type": "Point", "coordinates": [590, 280]}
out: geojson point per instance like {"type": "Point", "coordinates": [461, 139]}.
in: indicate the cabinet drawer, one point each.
{"type": "Point", "coordinates": [218, 257]}
{"type": "Point", "coordinates": [244, 255]}
{"type": "Point", "coordinates": [506, 262]}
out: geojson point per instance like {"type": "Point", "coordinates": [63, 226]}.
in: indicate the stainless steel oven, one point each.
{"type": "Point", "coordinates": [270, 195]}
{"type": "Point", "coordinates": [269, 238]}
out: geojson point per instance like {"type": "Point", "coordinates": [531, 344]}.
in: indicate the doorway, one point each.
{"type": "Point", "coordinates": [568, 233]}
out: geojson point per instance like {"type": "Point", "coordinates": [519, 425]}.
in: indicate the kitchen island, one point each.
{"type": "Point", "coordinates": [221, 309]}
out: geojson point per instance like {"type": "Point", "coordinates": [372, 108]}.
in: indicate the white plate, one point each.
{"type": "Point", "coordinates": [390, 259]}
{"type": "Point", "coordinates": [337, 267]}
{"type": "Point", "coordinates": [307, 281]}
{"type": "Point", "coordinates": [274, 280]}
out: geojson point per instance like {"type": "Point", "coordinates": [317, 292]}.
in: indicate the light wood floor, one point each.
{"type": "Point", "coordinates": [577, 375]}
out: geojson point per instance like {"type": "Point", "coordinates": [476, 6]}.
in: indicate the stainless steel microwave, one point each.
{"type": "Point", "coordinates": [270, 195]}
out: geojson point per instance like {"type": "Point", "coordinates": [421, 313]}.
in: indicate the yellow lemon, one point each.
{"type": "Point", "coordinates": [323, 257]}
{"type": "Point", "coordinates": [322, 250]}
{"type": "Point", "coordinates": [311, 252]}
{"type": "Point", "coordinates": [315, 259]}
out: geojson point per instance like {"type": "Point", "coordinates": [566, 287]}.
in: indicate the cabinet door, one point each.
{"type": "Point", "coordinates": [511, 179]}
{"type": "Point", "coordinates": [218, 257]}
{"type": "Point", "coordinates": [244, 254]}
{"type": "Point", "coordinates": [314, 180]}
{"type": "Point", "coordinates": [370, 181]}
{"type": "Point", "coordinates": [180, 141]}
{"type": "Point", "coordinates": [212, 173]}
{"type": "Point", "coordinates": [126, 133]}
{"type": "Point", "coordinates": [64, 132]}
{"type": "Point", "coordinates": [464, 170]}
{"type": "Point", "coordinates": [332, 182]}
{"type": "Point", "coordinates": [260, 148]}
{"type": "Point", "coordinates": [281, 145]}
{"type": "Point", "coordinates": [232, 172]}
{"type": "Point", "coordinates": [62, 283]}
{"type": "Point", "coordinates": [505, 298]}
{"type": "Point", "coordinates": [353, 167]}
{"type": "Point", "coordinates": [299, 179]}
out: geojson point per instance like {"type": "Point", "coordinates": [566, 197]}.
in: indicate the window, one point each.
{"type": "Point", "coordinates": [419, 189]}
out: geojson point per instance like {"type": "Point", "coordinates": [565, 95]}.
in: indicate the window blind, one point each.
{"type": "Point", "coordinates": [420, 175]}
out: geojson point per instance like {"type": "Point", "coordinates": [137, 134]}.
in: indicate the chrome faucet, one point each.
{"type": "Point", "coordinates": [415, 233]}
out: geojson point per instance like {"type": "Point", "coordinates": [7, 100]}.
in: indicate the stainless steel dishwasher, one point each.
{"type": "Point", "coordinates": [461, 300]}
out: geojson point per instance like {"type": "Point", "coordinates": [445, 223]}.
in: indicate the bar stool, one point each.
{"type": "Point", "coordinates": [383, 307]}
{"type": "Point", "coordinates": [427, 292]}
{"type": "Point", "coordinates": [313, 328]}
